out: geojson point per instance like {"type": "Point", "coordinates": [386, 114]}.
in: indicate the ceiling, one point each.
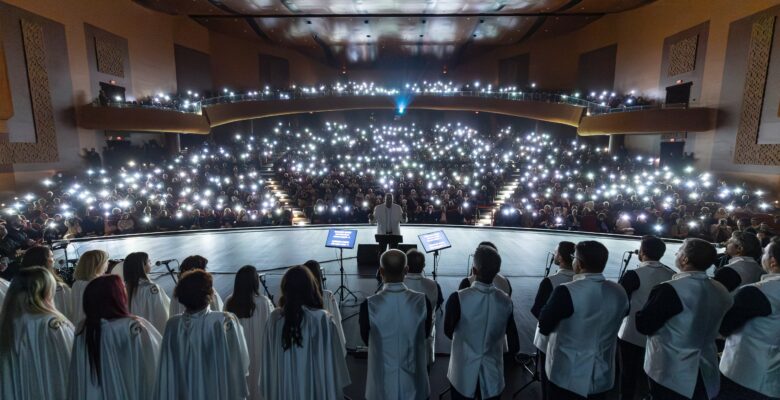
{"type": "Point", "coordinates": [345, 33]}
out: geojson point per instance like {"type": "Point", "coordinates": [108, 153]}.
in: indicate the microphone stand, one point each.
{"type": "Point", "coordinates": [626, 260]}
{"type": "Point", "coordinates": [435, 262]}
{"type": "Point", "coordinates": [170, 271]}
{"type": "Point", "coordinates": [265, 288]}
{"type": "Point", "coordinates": [343, 291]}
{"type": "Point", "coordinates": [550, 260]}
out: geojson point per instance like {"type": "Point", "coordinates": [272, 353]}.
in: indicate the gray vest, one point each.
{"type": "Point", "coordinates": [428, 287]}
{"type": "Point", "coordinates": [560, 277]}
{"type": "Point", "coordinates": [650, 273]}
{"type": "Point", "coordinates": [581, 349]}
{"type": "Point", "coordinates": [685, 345]}
{"type": "Point", "coordinates": [752, 354]}
{"type": "Point", "coordinates": [397, 364]}
{"type": "Point", "coordinates": [747, 268]}
{"type": "Point", "coordinates": [477, 344]}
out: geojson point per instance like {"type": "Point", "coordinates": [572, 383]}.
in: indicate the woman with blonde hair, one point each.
{"type": "Point", "coordinates": [35, 339]}
{"type": "Point", "coordinates": [41, 256]}
{"type": "Point", "coordinates": [91, 265]}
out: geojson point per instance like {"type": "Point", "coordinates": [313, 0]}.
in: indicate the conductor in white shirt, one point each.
{"type": "Point", "coordinates": [388, 217]}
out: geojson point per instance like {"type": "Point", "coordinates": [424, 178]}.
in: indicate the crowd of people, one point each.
{"type": "Point", "coordinates": [114, 333]}
{"type": "Point", "coordinates": [596, 101]}
{"type": "Point", "coordinates": [444, 173]}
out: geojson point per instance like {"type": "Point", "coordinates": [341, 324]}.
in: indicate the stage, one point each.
{"type": "Point", "coordinates": [272, 249]}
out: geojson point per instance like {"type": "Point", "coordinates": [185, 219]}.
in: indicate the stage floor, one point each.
{"type": "Point", "coordinates": [523, 255]}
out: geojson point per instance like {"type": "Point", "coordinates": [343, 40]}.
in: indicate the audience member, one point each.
{"type": "Point", "coordinates": [564, 256]}
{"type": "Point", "coordinates": [92, 264]}
{"type": "Point", "coordinates": [750, 364]}
{"type": "Point", "coordinates": [115, 354]}
{"type": "Point", "coordinates": [35, 339]}
{"type": "Point", "coordinates": [204, 354]}
{"type": "Point", "coordinates": [582, 319]}
{"type": "Point", "coordinates": [477, 320]}
{"type": "Point", "coordinates": [395, 323]}
{"type": "Point", "coordinates": [638, 283]}
{"type": "Point", "coordinates": [302, 354]}
{"type": "Point", "coordinates": [144, 298]}
{"type": "Point", "coordinates": [681, 320]}
{"type": "Point", "coordinates": [252, 310]}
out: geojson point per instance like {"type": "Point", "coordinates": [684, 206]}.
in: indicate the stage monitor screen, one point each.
{"type": "Point", "coordinates": [434, 241]}
{"type": "Point", "coordinates": [341, 238]}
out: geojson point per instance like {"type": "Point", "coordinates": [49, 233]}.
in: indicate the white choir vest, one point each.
{"type": "Point", "coordinates": [499, 282]}
{"type": "Point", "coordinates": [560, 277]}
{"type": "Point", "coordinates": [747, 268]}
{"type": "Point", "coordinates": [650, 273]}
{"type": "Point", "coordinates": [397, 364]}
{"type": "Point", "coordinates": [581, 349]}
{"type": "Point", "coordinates": [428, 287]}
{"type": "Point", "coordinates": [752, 354]}
{"type": "Point", "coordinates": [477, 343]}
{"type": "Point", "coordinates": [685, 345]}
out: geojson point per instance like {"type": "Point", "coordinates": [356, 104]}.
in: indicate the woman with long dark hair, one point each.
{"type": "Point", "coordinates": [41, 256]}
{"type": "Point", "coordinates": [252, 310]}
{"type": "Point", "coordinates": [144, 298]}
{"type": "Point", "coordinates": [115, 354]}
{"type": "Point", "coordinates": [329, 302]}
{"type": "Point", "coordinates": [302, 353]}
{"type": "Point", "coordinates": [188, 264]}
{"type": "Point", "coordinates": [35, 339]}
{"type": "Point", "coordinates": [204, 354]}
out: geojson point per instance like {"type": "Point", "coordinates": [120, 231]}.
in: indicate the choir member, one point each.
{"type": "Point", "coordinates": [188, 264]}
{"type": "Point", "coordinates": [252, 310]}
{"type": "Point", "coordinates": [638, 283]}
{"type": "Point", "coordinates": [144, 298]}
{"type": "Point", "coordinates": [751, 359]}
{"type": "Point", "coordinates": [582, 319]}
{"type": "Point", "coordinates": [394, 323]}
{"type": "Point", "coordinates": [35, 339]}
{"type": "Point", "coordinates": [564, 255]}
{"type": "Point", "coordinates": [681, 320]}
{"type": "Point", "coordinates": [743, 268]}
{"type": "Point", "coordinates": [91, 264]}
{"type": "Point", "coordinates": [301, 350]}
{"type": "Point", "coordinates": [115, 354]}
{"type": "Point", "coordinates": [500, 281]}
{"type": "Point", "coordinates": [416, 280]}
{"type": "Point", "coordinates": [41, 256]}
{"type": "Point", "coordinates": [477, 320]}
{"type": "Point", "coordinates": [204, 354]}
{"type": "Point", "coordinates": [329, 302]}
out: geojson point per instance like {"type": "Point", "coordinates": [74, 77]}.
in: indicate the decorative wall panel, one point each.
{"type": "Point", "coordinates": [45, 147]}
{"type": "Point", "coordinates": [109, 56]}
{"type": "Point", "coordinates": [747, 149]}
{"type": "Point", "coordinates": [682, 55]}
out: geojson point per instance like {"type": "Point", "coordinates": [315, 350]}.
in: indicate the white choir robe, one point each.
{"type": "Point", "coordinates": [331, 305]}
{"type": "Point", "coordinates": [37, 365]}
{"type": "Point", "coordinates": [203, 357]}
{"type": "Point", "coordinates": [152, 304]}
{"type": "Point", "coordinates": [3, 289]}
{"type": "Point", "coordinates": [77, 303]}
{"type": "Point", "coordinates": [62, 300]}
{"type": "Point", "coordinates": [177, 308]}
{"type": "Point", "coordinates": [316, 370]}
{"type": "Point", "coordinates": [254, 327]}
{"type": "Point", "coordinates": [129, 353]}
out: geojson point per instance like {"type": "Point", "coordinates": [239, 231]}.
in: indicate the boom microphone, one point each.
{"type": "Point", "coordinates": [166, 262]}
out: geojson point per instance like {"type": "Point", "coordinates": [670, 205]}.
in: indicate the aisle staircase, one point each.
{"type": "Point", "coordinates": [486, 215]}
{"type": "Point", "coordinates": [268, 175]}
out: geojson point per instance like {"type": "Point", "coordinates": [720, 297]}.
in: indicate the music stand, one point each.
{"type": "Point", "coordinates": [342, 239]}
{"type": "Point", "coordinates": [433, 242]}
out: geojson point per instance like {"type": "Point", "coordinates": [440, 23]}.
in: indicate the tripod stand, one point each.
{"type": "Point", "coordinates": [343, 291]}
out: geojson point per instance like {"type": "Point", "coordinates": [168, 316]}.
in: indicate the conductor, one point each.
{"type": "Point", "coordinates": [388, 217]}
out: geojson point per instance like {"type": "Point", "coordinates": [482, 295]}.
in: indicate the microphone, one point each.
{"type": "Point", "coordinates": [166, 262]}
